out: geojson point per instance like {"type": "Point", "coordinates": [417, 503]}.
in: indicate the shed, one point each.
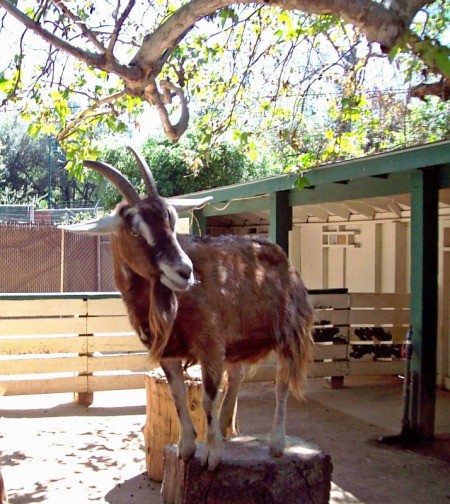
{"type": "Point", "coordinates": [402, 199]}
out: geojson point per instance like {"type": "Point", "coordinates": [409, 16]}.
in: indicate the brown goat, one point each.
{"type": "Point", "coordinates": [3, 496]}
{"type": "Point", "coordinates": [218, 301]}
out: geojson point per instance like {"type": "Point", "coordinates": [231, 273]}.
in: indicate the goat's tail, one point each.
{"type": "Point", "coordinates": [296, 343]}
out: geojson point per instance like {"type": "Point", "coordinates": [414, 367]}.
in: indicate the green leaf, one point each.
{"type": "Point", "coordinates": [442, 58]}
{"type": "Point", "coordinates": [5, 84]}
{"type": "Point", "coordinates": [394, 52]}
{"type": "Point", "coordinates": [302, 182]}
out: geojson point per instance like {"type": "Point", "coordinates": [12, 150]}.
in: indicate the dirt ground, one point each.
{"type": "Point", "coordinates": [55, 451]}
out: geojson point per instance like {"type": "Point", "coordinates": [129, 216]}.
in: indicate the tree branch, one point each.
{"type": "Point", "coordinates": [119, 24]}
{"type": "Point", "coordinates": [62, 135]}
{"type": "Point", "coordinates": [160, 100]}
{"type": "Point", "coordinates": [377, 22]}
{"type": "Point", "coordinates": [89, 34]}
{"type": "Point", "coordinates": [92, 59]}
{"type": "Point", "coordinates": [441, 89]}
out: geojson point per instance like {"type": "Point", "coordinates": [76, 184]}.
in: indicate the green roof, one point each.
{"type": "Point", "coordinates": [377, 175]}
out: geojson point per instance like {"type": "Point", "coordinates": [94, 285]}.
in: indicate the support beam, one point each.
{"type": "Point", "coordinates": [424, 298]}
{"type": "Point", "coordinates": [280, 219]}
{"type": "Point", "coordinates": [198, 226]}
{"type": "Point", "coordinates": [361, 208]}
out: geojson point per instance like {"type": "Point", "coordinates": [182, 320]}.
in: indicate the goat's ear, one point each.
{"type": "Point", "coordinates": [184, 205]}
{"type": "Point", "coordinates": [104, 225]}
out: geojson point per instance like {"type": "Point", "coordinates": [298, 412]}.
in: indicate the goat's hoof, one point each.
{"type": "Point", "coordinates": [186, 449]}
{"type": "Point", "coordinates": [276, 450]}
{"type": "Point", "coordinates": [212, 455]}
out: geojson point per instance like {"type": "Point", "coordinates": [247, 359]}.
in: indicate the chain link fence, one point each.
{"type": "Point", "coordinates": [38, 258]}
{"type": "Point", "coordinates": [29, 214]}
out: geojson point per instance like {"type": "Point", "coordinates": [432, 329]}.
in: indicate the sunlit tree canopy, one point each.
{"type": "Point", "coordinates": [262, 73]}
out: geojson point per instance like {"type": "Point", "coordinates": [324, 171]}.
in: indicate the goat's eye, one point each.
{"type": "Point", "coordinates": [134, 233]}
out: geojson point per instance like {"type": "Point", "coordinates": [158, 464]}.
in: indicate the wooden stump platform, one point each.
{"type": "Point", "coordinates": [249, 475]}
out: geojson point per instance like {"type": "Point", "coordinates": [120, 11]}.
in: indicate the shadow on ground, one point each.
{"type": "Point", "coordinates": [63, 453]}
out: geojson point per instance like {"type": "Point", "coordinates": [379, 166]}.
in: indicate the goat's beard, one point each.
{"type": "Point", "coordinates": [162, 312]}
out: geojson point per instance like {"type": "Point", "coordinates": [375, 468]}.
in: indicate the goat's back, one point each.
{"type": "Point", "coordinates": [247, 300]}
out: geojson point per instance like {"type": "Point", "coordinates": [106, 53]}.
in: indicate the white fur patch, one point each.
{"type": "Point", "coordinates": [144, 229]}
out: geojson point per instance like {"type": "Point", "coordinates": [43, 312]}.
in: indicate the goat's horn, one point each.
{"type": "Point", "coordinates": [146, 172]}
{"type": "Point", "coordinates": [117, 178]}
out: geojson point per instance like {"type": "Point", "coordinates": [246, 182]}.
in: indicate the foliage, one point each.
{"type": "Point", "coordinates": [246, 71]}
{"type": "Point", "coordinates": [182, 168]}
{"type": "Point", "coordinates": [27, 163]}
{"type": "Point", "coordinates": [363, 125]}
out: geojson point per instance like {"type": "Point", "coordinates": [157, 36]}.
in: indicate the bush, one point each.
{"type": "Point", "coordinates": [181, 168]}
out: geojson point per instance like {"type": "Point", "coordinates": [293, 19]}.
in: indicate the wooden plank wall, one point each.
{"type": "Point", "coordinates": [85, 344]}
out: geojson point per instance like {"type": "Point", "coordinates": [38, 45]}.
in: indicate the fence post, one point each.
{"type": "Point", "coordinates": [99, 264]}
{"type": "Point", "coordinates": [62, 260]}
{"type": "Point", "coordinates": [85, 398]}
{"type": "Point", "coordinates": [337, 382]}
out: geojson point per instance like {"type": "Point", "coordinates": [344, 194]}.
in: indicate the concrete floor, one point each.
{"type": "Point", "coordinates": [55, 451]}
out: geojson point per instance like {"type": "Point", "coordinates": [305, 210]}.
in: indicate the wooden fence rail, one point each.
{"type": "Point", "coordinates": [355, 334]}
{"type": "Point", "coordinates": [83, 343]}
{"type": "Point", "coordinates": [68, 343]}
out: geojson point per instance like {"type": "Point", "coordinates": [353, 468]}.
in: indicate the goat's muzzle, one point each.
{"type": "Point", "coordinates": [177, 277]}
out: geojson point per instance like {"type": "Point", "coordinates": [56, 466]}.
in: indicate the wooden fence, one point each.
{"type": "Point", "coordinates": [68, 343]}
{"type": "Point", "coordinates": [360, 333]}
{"type": "Point", "coordinates": [83, 343]}
{"type": "Point", "coordinates": [355, 334]}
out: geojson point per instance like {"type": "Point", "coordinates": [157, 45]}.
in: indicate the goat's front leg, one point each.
{"type": "Point", "coordinates": [211, 376]}
{"type": "Point", "coordinates": [227, 417]}
{"type": "Point", "coordinates": [186, 442]}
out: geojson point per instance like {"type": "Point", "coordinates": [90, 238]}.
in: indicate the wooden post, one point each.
{"type": "Point", "coordinates": [85, 398]}
{"type": "Point", "coordinates": [161, 427]}
{"type": "Point", "coordinates": [424, 290]}
{"type": "Point", "coordinates": [280, 219]}
{"type": "Point", "coordinates": [198, 226]}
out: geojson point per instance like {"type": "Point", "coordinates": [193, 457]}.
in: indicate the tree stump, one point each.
{"type": "Point", "coordinates": [249, 475]}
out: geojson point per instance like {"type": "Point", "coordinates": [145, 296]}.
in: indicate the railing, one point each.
{"type": "Point", "coordinates": [83, 343]}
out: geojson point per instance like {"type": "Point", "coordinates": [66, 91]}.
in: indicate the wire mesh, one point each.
{"type": "Point", "coordinates": [42, 258]}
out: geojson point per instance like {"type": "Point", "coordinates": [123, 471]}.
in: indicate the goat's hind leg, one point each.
{"type": "Point", "coordinates": [227, 416]}
{"type": "Point", "coordinates": [278, 437]}
{"type": "Point", "coordinates": [186, 442]}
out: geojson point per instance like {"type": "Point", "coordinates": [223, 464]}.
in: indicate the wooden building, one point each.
{"type": "Point", "coordinates": [378, 224]}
